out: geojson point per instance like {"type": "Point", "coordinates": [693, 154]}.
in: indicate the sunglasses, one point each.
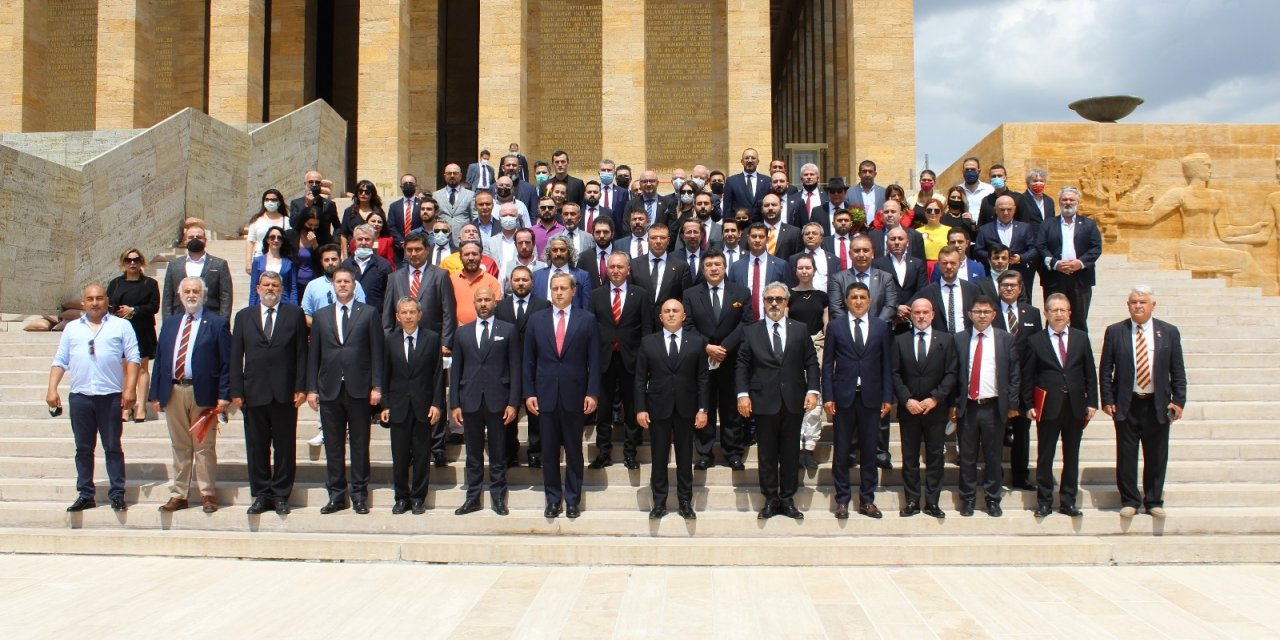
{"type": "Point", "coordinates": [364, 191]}
{"type": "Point", "coordinates": [133, 260]}
{"type": "Point", "coordinates": [545, 208]}
{"type": "Point", "coordinates": [92, 352]}
{"type": "Point", "coordinates": [774, 299]}
{"type": "Point", "coordinates": [276, 238]}
{"type": "Point", "coordinates": [933, 210]}
{"type": "Point", "coordinates": [271, 199]}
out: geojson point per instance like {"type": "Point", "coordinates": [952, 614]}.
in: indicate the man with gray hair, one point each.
{"type": "Point", "coordinates": [1034, 207]}
{"type": "Point", "coordinates": [560, 257]}
{"type": "Point", "coordinates": [190, 380]}
{"type": "Point", "coordinates": [1070, 246]}
{"type": "Point", "coordinates": [373, 270]}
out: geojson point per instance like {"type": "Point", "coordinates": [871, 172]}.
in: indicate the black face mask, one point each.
{"type": "Point", "coordinates": [195, 246]}
{"type": "Point", "coordinates": [717, 188]}
{"type": "Point", "coordinates": [955, 205]}
{"type": "Point", "coordinates": [502, 193]}
{"type": "Point", "coordinates": [623, 181]}
{"type": "Point", "coordinates": [408, 189]}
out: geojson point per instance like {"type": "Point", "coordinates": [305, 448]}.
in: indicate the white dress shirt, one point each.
{"type": "Point", "coordinates": [987, 385]}
{"type": "Point", "coordinates": [1149, 337]}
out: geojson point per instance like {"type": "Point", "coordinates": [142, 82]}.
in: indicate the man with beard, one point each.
{"type": "Point", "coordinates": [522, 190]}
{"type": "Point", "coordinates": [504, 192]}
{"type": "Point", "coordinates": [320, 291]}
{"type": "Point", "coordinates": [559, 257]}
{"type": "Point", "coordinates": [525, 257]}
{"type": "Point", "coordinates": [457, 203]}
{"type": "Point", "coordinates": [593, 259]}
{"type": "Point", "coordinates": [515, 309]}
{"type": "Point", "coordinates": [547, 225]}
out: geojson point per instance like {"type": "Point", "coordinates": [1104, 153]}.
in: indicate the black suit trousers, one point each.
{"type": "Point", "coordinates": [340, 418]}
{"type": "Point", "coordinates": [928, 429]}
{"type": "Point", "coordinates": [862, 424]}
{"type": "Point", "coordinates": [563, 428]}
{"type": "Point", "coordinates": [1020, 452]}
{"type": "Point", "coordinates": [982, 429]}
{"type": "Point", "coordinates": [779, 456]}
{"type": "Point", "coordinates": [512, 438]}
{"type": "Point", "coordinates": [675, 430]}
{"type": "Point", "coordinates": [1078, 293]}
{"type": "Point", "coordinates": [478, 428]}
{"type": "Point", "coordinates": [1047, 432]}
{"type": "Point", "coordinates": [410, 458]}
{"type": "Point", "coordinates": [617, 383]}
{"type": "Point", "coordinates": [273, 425]}
{"type": "Point", "coordinates": [724, 407]}
{"type": "Point", "coordinates": [1141, 429]}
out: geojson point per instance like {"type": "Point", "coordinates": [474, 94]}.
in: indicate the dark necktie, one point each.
{"type": "Point", "coordinates": [673, 351]}
{"type": "Point", "coordinates": [857, 333]}
{"type": "Point", "coordinates": [777, 341]}
{"type": "Point", "coordinates": [342, 330]}
{"type": "Point", "coordinates": [920, 348]}
{"type": "Point", "coordinates": [408, 355]}
{"type": "Point", "coordinates": [1011, 321]}
{"type": "Point", "coordinates": [715, 302]}
{"type": "Point", "coordinates": [519, 310]}
{"type": "Point", "coordinates": [693, 265]}
{"type": "Point", "coordinates": [951, 308]}
{"type": "Point", "coordinates": [484, 335]}
{"type": "Point", "coordinates": [271, 323]}
{"type": "Point", "coordinates": [452, 195]}
{"type": "Point", "coordinates": [653, 276]}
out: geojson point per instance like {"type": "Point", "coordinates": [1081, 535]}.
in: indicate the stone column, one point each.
{"type": "Point", "coordinates": [750, 121]}
{"type": "Point", "coordinates": [236, 60]}
{"type": "Point", "coordinates": [881, 77]}
{"type": "Point", "coordinates": [382, 146]}
{"type": "Point", "coordinates": [290, 84]}
{"type": "Point", "coordinates": [623, 115]}
{"type": "Point", "coordinates": [503, 89]}
{"type": "Point", "coordinates": [124, 45]}
{"type": "Point", "coordinates": [21, 56]}
{"type": "Point", "coordinates": [424, 96]}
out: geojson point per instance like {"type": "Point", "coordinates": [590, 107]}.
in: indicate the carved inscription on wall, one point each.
{"type": "Point", "coordinates": [178, 56]}
{"type": "Point", "coordinates": [70, 64]}
{"type": "Point", "coordinates": [564, 47]}
{"type": "Point", "coordinates": [679, 85]}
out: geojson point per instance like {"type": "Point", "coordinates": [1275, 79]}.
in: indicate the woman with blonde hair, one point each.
{"type": "Point", "coordinates": [135, 297]}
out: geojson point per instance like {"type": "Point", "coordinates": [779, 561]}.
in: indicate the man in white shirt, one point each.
{"type": "Point", "coordinates": [974, 188]}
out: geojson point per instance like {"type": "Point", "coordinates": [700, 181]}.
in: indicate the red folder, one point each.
{"type": "Point", "coordinates": [1037, 402]}
{"type": "Point", "coordinates": [200, 428]}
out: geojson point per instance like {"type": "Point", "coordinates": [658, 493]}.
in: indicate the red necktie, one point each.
{"type": "Point", "coordinates": [602, 266]}
{"type": "Point", "coordinates": [642, 251]}
{"type": "Point", "coordinates": [975, 373]}
{"type": "Point", "coordinates": [755, 290]}
{"type": "Point", "coordinates": [415, 283]}
{"type": "Point", "coordinates": [408, 215]}
{"type": "Point", "coordinates": [844, 253]}
{"type": "Point", "coordinates": [180, 368]}
{"type": "Point", "coordinates": [1062, 348]}
{"type": "Point", "coordinates": [591, 218]}
{"type": "Point", "coordinates": [808, 202]}
{"type": "Point", "coordinates": [617, 306]}
{"type": "Point", "coordinates": [560, 334]}
{"type": "Point", "coordinates": [607, 190]}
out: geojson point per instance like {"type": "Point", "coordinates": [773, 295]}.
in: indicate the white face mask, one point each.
{"type": "Point", "coordinates": [271, 205]}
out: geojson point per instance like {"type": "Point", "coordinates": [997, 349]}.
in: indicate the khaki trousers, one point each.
{"type": "Point", "coordinates": [180, 413]}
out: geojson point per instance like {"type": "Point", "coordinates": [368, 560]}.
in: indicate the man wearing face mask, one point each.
{"type": "Point", "coordinates": [480, 174]}
{"type": "Point", "coordinates": [612, 197]}
{"type": "Point", "coordinates": [678, 178]}
{"type": "Point", "coordinates": [371, 270]}
{"type": "Point", "coordinates": [715, 184]}
{"type": "Point", "coordinates": [542, 178]}
{"type": "Point", "coordinates": [502, 247]}
{"type": "Point", "coordinates": [441, 243]}
{"type": "Point", "coordinates": [403, 216]}
{"type": "Point", "coordinates": [320, 291]}
{"type": "Point", "coordinates": [974, 189]}
{"type": "Point", "coordinates": [199, 264]}
{"type": "Point", "coordinates": [525, 193]}
{"type": "Point", "coordinates": [700, 176]}
{"type": "Point", "coordinates": [622, 176]}
{"type": "Point", "coordinates": [1034, 206]}
{"type": "Point", "coordinates": [999, 187]}
{"type": "Point", "coordinates": [504, 193]}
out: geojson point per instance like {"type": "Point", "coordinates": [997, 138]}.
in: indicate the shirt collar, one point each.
{"type": "Point", "coordinates": [667, 334]}
{"type": "Point", "coordinates": [204, 257]}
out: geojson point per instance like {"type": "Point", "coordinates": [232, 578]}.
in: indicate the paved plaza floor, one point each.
{"type": "Point", "coordinates": [67, 597]}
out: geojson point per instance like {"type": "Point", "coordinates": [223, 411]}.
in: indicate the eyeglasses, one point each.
{"type": "Point", "coordinates": [774, 299]}
{"type": "Point", "coordinates": [276, 238]}
{"type": "Point", "coordinates": [133, 260]}
{"type": "Point", "coordinates": [546, 207]}
{"type": "Point", "coordinates": [1009, 285]}
{"type": "Point", "coordinates": [92, 352]}
{"type": "Point", "coordinates": [981, 312]}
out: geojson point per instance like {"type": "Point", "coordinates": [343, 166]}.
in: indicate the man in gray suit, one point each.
{"type": "Point", "coordinates": [866, 195]}
{"type": "Point", "coordinates": [428, 285]}
{"type": "Point", "coordinates": [457, 203]}
{"type": "Point", "coordinates": [198, 264]}
{"type": "Point", "coordinates": [883, 286]}
{"type": "Point", "coordinates": [480, 174]}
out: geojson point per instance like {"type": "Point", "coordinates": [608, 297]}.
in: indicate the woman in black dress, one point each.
{"type": "Point", "coordinates": [809, 305]}
{"type": "Point", "coordinates": [136, 297]}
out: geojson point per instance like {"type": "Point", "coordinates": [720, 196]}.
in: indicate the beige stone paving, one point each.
{"type": "Point", "coordinates": [69, 597]}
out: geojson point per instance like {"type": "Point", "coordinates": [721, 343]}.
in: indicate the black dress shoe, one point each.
{"type": "Point", "coordinates": [82, 503]}
{"type": "Point", "coordinates": [842, 511]}
{"type": "Point", "coordinates": [736, 464]}
{"type": "Point", "coordinates": [603, 460]}
{"type": "Point", "coordinates": [657, 512]}
{"type": "Point", "coordinates": [686, 510]}
{"type": "Point", "coordinates": [512, 462]}
{"type": "Point", "coordinates": [535, 462]}
{"type": "Point", "coordinates": [260, 505]}
{"type": "Point", "coordinates": [767, 512]}
{"type": "Point", "coordinates": [282, 506]}
{"type": "Point", "coordinates": [438, 460]}
{"type": "Point", "coordinates": [399, 507]}
{"type": "Point", "coordinates": [789, 510]}
{"type": "Point", "coordinates": [933, 510]}
{"type": "Point", "coordinates": [1024, 486]}
{"type": "Point", "coordinates": [630, 462]}
{"type": "Point", "coordinates": [1043, 511]}
{"type": "Point", "coordinates": [552, 510]}
{"type": "Point", "coordinates": [454, 438]}
{"type": "Point", "coordinates": [703, 464]}
{"type": "Point", "coordinates": [500, 507]}
{"type": "Point", "coordinates": [966, 508]}
{"type": "Point", "coordinates": [334, 506]}
{"type": "Point", "coordinates": [360, 506]}
{"type": "Point", "coordinates": [808, 461]}
{"type": "Point", "coordinates": [884, 461]}
{"type": "Point", "coordinates": [1070, 511]}
{"type": "Point", "coordinates": [994, 510]}
{"type": "Point", "coordinates": [910, 509]}
{"type": "Point", "coordinates": [117, 504]}
{"type": "Point", "coordinates": [572, 511]}
{"type": "Point", "coordinates": [418, 507]}
{"type": "Point", "coordinates": [470, 506]}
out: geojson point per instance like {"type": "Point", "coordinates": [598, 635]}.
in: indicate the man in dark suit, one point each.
{"type": "Point", "coordinates": [783, 239]}
{"type": "Point", "coordinates": [576, 188]}
{"type": "Point", "coordinates": [662, 276]}
{"type": "Point", "coordinates": [427, 284]}
{"type": "Point", "coordinates": [657, 210]}
{"type": "Point", "coordinates": [719, 310]}
{"type": "Point", "coordinates": [672, 396]}
{"type": "Point", "coordinates": [517, 169]}
{"type": "Point", "coordinates": [1058, 366]}
{"type": "Point", "coordinates": [793, 211]}
{"type": "Point", "coordinates": [924, 380]}
{"type": "Point", "coordinates": [1019, 239]}
{"type": "Point", "coordinates": [515, 309]}
{"type": "Point", "coordinates": [758, 268]}
{"type": "Point", "coordinates": [633, 238]}
{"type": "Point", "coordinates": [952, 298]}
{"type": "Point", "coordinates": [190, 376]}
{"type": "Point", "coordinates": [613, 198]}
{"type": "Point", "coordinates": [211, 269]}
{"type": "Point", "coordinates": [1022, 321]}
{"type": "Point", "coordinates": [593, 261]}
{"type": "Point", "coordinates": [316, 193]}
{"type": "Point", "coordinates": [1033, 206]}
{"type": "Point", "coordinates": [403, 215]}
{"type": "Point", "coordinates": [268, 372]}
{"type": "Point", "coordinates": [908, 273]}
{"type": "Point", "coordinates": [998, 263]}
{"type": "Point", "coordinates": [1144, 388]}
{"type": "Point", "coordinates": [813, 197]}
{"type": "Point", "coordinates": [1070, 266]}
{"type": "Point", "coordinates": [343, 378]}
{"type": "Point", "coordinates": [710, 232]}
{"type": "Point", "coordinates": [987, 395]}
{"type": "Point", "coordinates": [882, 285]}
{"type": "Point", "coordinates": [412, 378]}
{"type": "Point", "coordinates": [372, 270]}
{"type": "Point", "coordinates": [480, 174]}
{"type": "Point", "coordinates": [560, 257]}
{"type": "Point", "coordinates": [815, 246]}
{"type": "Point", "coordinates": [746, 189]}
{"type": "Point", "coordinates": [891, 215]}
{"type": "Point", "coordinates": [857, 386]}
{"type": "Point", "coordinates": [778, 380]}
{"type": "Point", "coordinates": [624, 314]}
{"type": "Point", "coordinates": [970, 270]}
{"type": "Point", "coordinates": [561, 384]}
{"type": "Point", "coordinates": [485, 391]}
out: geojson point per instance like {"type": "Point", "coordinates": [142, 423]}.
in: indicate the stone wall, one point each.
{"type": "Point", "coordinates": [1200, 197]}
{"type": "Point", "coordinates": [72, 148]}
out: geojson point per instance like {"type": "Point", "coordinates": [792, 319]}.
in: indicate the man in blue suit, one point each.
{"type": "Point", "coordinates": [561, 384]}
{"type": "Point", "coordinates": [560, 257]}
{"type": "Point", "coordinates": [857, 390]}
{"type": "Point", "coordinates": [757, 269]}
{"type": "Point", "coordinates": [745, 190]}
{"type": "Point", "coordinates": [191, 374]}
{"type": "Point", "coordinates": [1019, 237]}
{"type": "Point", "coordinates": [1069, 266]}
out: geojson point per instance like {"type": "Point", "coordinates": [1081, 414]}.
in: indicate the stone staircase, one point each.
{"type": "Point", "coordinates": [1223, 485]}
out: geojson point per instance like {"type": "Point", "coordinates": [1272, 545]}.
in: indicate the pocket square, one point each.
{"type": "Point", "coordinates": [498, 338]}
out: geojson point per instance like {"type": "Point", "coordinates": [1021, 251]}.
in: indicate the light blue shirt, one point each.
{"type": "Point", "coordinates": [102, 373]}
{"type": "Point", "coordinates": [320, 294]}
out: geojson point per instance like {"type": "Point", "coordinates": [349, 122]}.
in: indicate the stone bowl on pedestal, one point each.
{"type": "Point", "coordinates": [1105, 108]}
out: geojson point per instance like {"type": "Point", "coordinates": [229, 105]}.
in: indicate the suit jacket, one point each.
{"type": "Point", "coordinates": [695, 276]}
{"type": "Point", "coordinates": [581, 295]}
{"type": "Point", "coordinates": [1030, 213]}
{"type": "Point", "coordinates": [462, 211]}
{"type": "Point", "coordinates": [589, 261]}
{"type": "Point", "coordinates": [561, 380]}
{"type": "Point", "coordinates": [474, 172]}
{"type": "Point", "coordinates": [725, 330]}
{"type": "Point", "coordinates": [637, 318]}
{"type": "Point", "coordinates": [934, 378]}
{"type": "Point", "coordinates": [664, 212]}
{"type": "Point", "coordinates": [1028, 319]}
{"type": "Point", "coordinates": [623, 244]}
{"type": "Point", "coordinates": [1168, 373]}
{"type": "Point", "coordinates": [789, 241]}
{"type": "Point", "coordinates": [1008, 372]}
{"type": "Point", "coordinates": [914, 280]}
{"type": "Point", "coordinates": [777, 384]}
{"type": "Point", "coordinates": [738, 195]}
{"type": "Point", "coordinates": [1088, 244]}
{"type": "Point", "coordinates": [411, 387]}
{"type": "Point", "coordinates": [976, 272]}
{"type": "Point", "coordinates": [617, 208]}
{"type": "Point", "coordinates": [505, 311]}
{"type": "Point", "coordinates": [217, 283]}
{"type": "Point", "coordinates": [262, 370]}
{"type": "Point", "coordinates": [329, 222]}
{"type": "Point", "coordinates": [1071, 388]}
{"type": "Point", "coordinates": [288, 275]}
{"type": "Point", "coordinates": [713, 232]}
{"type": "Point", "coordinates": [1023, 245]}
{"type": "Point", "coordinates": [357, 358]}
{"type": "Point", "coordinates": [775, 270]}
{"type": "Point", "coordinates": [844, 364]}
{"type": "Point", "coordinates": [853, 198]}
{"type": "Point", "coordinates": [395, 219]}
{"type": "Point", "coordinates": [987, 209]}
{"type": "Point", "coordinates": [793, 211]}
{"type": "Point", "coordinates": [675, 279]}
{"type": "Point", "coordinates": [884, 292]}
{"type": "Point", "coordinates": [915, 243]}
{"type": "Point", "coordinates": [435, 294]}
{"type": "Point", "coordinates": [374, 278]}
{"type": "Point", "coordinates": [575, 187]}
{"type": "Point", "coordinates": [210, 359]}
{"type": "Point", "coordinates": [664, 386]}
{"type": "Point", "coordinates": [934, 294]}
{"type": "Point", "coordinates": [818, 213]}
{"type": "Point", "coordinates": [488, 378]}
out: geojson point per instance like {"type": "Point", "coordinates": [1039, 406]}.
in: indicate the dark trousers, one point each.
{"type": "Point", "coordinates": [862, 424]}
{"type": "Point", "coordinates": [674, 430]}
{"type": "Point", "coordinates": [93, 417]}
{"type": "Point", "coordinates": [562, 430]}
{"type": "Point", "coordinates": [512, 437]}
{"type": "Point", "coordinates": [410, 458]}
{"type": "Point", "coordinates": [982, 428]}
{"type": "Point", "coordinates": [1047, 431]}
{"type": "Point", "coordinates": [1079, 294]}
{"type": "Point", "coordinates": [725, 410]}
{"type": "Point", "coordinates": [929, 429]}
{"type": "Point", "coordinates": [477, 428]}
{"type": "Point", "coordinates": [618, 383]}
{"type": "Point", "coordinates": [1020, 452]}
{"type": "Point", "coordinates": [340, 418]}
{"type": "Point", "coordinates": [268, 426]}
{"type": "Point", "coordinates": [779, 456]}
{"type": "Point", "coordinates": [439, 434]}
{"type": "Point", "coordinates": [1142, 428]}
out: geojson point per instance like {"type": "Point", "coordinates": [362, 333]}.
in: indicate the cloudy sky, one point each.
{"type": "Point", "coordinates": [983, 62]}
